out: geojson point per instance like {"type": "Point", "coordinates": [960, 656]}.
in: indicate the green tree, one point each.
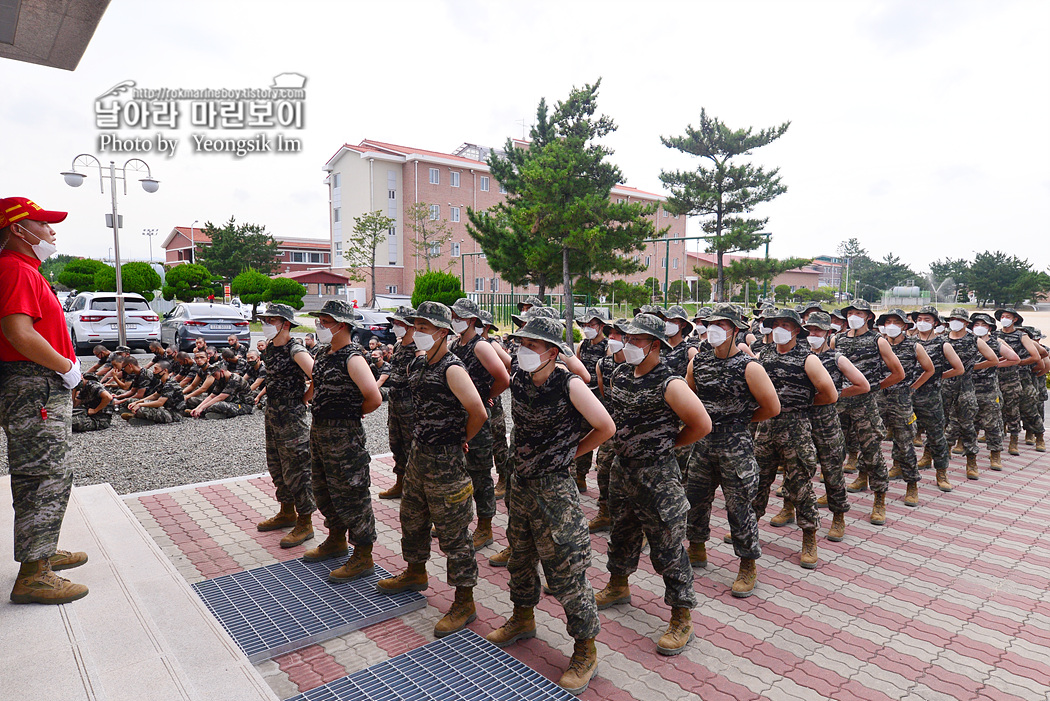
{"type": "Point", "coordinates": [430, 234]}
{"type": "Point", "coordinates": [802, 294]}
{"type": "Point", "coordinates": [235, 247]}
{"type": "Point", "coordinates": [135, 278]}
{"type": "Point", "coordinates": [436, 286]}
{"type": "Point", "coordinates": [80, 274]}
{"type": "Point", "coordinates": [761, 270]}
{"type": "Point", "coordinates": [52, 268]}
{"type": "Point", "coordinates": [703, 290]}
{"type": "Point", "coordinates": [359, 249]}
{"type": "Point", "coordinates": [187, 282]}
{"type": "Point", "coordinates": [284, 290]}
{"type": "Point", "coordinates": [251, 286]}
{"type": "Point", "coordinates": [1002, 279]}
{"type": "Point", "coordinates": [725, 191]}
{"type": "Point", "coordinates": [955, 271]}
{"type": "Point", "coordinates": [654, 288]}
{"type": "Point", "coordinates": [677, 290]}
{"type": "Point", "coordinates": [782, 293]}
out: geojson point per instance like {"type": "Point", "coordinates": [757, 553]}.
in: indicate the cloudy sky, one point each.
{"type": "Point", "coordinates": [919, 128]}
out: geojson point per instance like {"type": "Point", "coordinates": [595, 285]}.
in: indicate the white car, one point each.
{"type": "Point", "coordinates": [92, 321]}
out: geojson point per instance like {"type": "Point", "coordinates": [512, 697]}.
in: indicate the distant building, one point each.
{"type": "Point", "coordinates": [808, 276]}
{"type": "Point", "coordinates": [293, 255]}
{"type": "Point", "coordinates": [831, 270]}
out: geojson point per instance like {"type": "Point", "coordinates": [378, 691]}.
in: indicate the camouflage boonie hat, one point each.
{"type": "Point", "coordinates": [647, 309]}
{"type": "Point", "coordinates": [1011, 310]}
{"type": "Point", "coordinates": [819, 320]}
{"type": "Point", "coordinates": [282, 311]}
{"type": "Point", "coordinates": [860, 305]}
{"type": "Point", "coordinates": [892, 312]}
{"type": "Point", "coordinates": [616, 325]}
{"type": "Point", "coordinates": [465, 308]}
{"type": "Point", "coordinates": [983, 316]}
{"type": "Point", "coordinates": [727, 312]}
{"type": "Point", "coordinates": [436, 313]}
{"type": "Point", "coordinates": [486, 318]}
{"type": "Point", "coordinates": [648, 325]}
{"type": "Point", "coordinates": [812, 304]}
{"type": "Point", "coordinates": [763, 302]}
{"type": "Point", "coordinates": [839, 314]}
{"type": "Point", "coordinates": [678, 313]}
{"type": "Point", "coordinates": [338, 310]}
{"type": "Point", "coordinates": [702, 313]}
{"type": "Point", "coordinates": [1035, 333]}
{"type": "Point", "coordinates": [530, 301]}
{"type": "Point", "coordinates": [403, 314]}
{"type": "Point", "coordinates": [959, 313]}
{"type": "Point", "coordinates": [543, 329]}
{"type": "Point", "coordinates": [122, 349]}
{"type": "Point", "coordinates": [928, 309]}
{"type": "Point", "coordinates": [589, 314]}
{"type": "Point", "coordinates": [546, 312]}
{"type": "Point", "coordinates": [792, 316]}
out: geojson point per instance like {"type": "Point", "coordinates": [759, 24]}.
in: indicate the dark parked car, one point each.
{"type": "Point", "coordinates": [212, 322]}
{"type": "Point", "coordinates": [372, 322]}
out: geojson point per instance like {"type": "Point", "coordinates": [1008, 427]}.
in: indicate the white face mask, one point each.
{"type": "Point", "coordinates": [764, 330]}
{"type": "Point", "coordinates": [815, 342]}
{"type": "Point", "coordinates": [270, 331]}
{"type": "Point", "coordinates": [399, 331]}
{"type": "Point", "coordinates": [980, 331]}
{"type": "Point", "coordinates": [956, 325]}
{"type": "Point", "coordinates": [323, 335]}
{"type": "Point", "coordinates": [940, 329]}
{"type": "Point", "coordinates": [529, 360]}
{"type": "Point", "coordinates": [424, 341]}
{"type": "Point", "coordinates": [855, 322]}
{"type": "Point", "coordinates": [923, 326]}
{"type": "Point", "coordinates": [781, 336]}
{"type": "Point", "coordinates": [633, 354]}
{"type": "Point", "coordinates": [882, 329]}
{"type": "Point", "coordinates": [589, 332]}
{"type": "Point", "coordinates": [701, 329]}
{"type": "Point", "coordinates": [1007, 323]}
{"type": "Point", "coordinates": [41, 249]}
{"type": "Point", "coordinates": [670, 328]}
{"type": "Point", "coordinates": [716, 335]}
{"type": "Point", "coordinates": [835, 326]}
{"type": "Point", "coordinates": [892, 330]}
{"type": "Point", "coordinates": [615, 346]}
{"type": "Point", "coordinates": [458, 325]}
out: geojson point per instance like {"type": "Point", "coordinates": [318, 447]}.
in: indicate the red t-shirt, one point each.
{"type": "Point", "coordinates": [23, 290]}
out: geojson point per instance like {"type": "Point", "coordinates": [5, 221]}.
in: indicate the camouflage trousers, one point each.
{"type": "Point", "coordinates": [84, 422]}
{"type": "Point", "coordinates": [929, 414]}
{"type": "Point", "coordinates": [339, 470]}
{"type": "Point", "coordinates": [1031, 404]}
{"type": "Point", "coordinates": [831, 452]}
{"type": "Point", "coordinates": [479, 467]}
{"type": "Point", "coordinates": [646, 497]}
{"type": "Point", "coordinates": [604, 462]}
{"type": "Point", "coordinates": [287, 435]}
{"type": "Point", "coordinates": [498, 424]}
{"type": "Point", "coordinates": [547, 525]}
{"type": "Point", "coordinates": [860, 414]}
{"type": "Point", "coordinates": [960, 406]}
{"type": "Point", "coordinates": [725, 458]}
{"type": "Point", "coordinates": [900, 418]}
{"type": "Point", "coordinates": [1010, 389]}
{"type": "Point", "coordinates": [437, 490]}
{"type": "Point", "coordinates": [194, 402]}
{"type": "Point", "coordinates": [787, 440]}
{"type": "Point", "coordinates": [990, 416]}
{"type": "Point", "coordinates": [400, 417]}
{"type": "Point", "coordinates": [231, 409]}
{"type": "Point", "coordinates": [158, 415]}
{"type": "Point", "coordinates": [41, 476]}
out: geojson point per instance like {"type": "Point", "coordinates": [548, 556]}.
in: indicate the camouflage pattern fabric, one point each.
{"type": "Point", "coordinates": [960, 402]}
{"type": "Point", "coordinates": [546, 524]}
{"type": "Point", "coordinates": [722, 387]}
{"type": "Point", "coordinates": [479, 374]}
{"type": "Point", "coordinates": [1031, 404]}
{"type": "Point", "coordinates": [989, 418]}
{"type": "Point", "coordinates": [788, 373]}
{"type": "Point", "coordinates": [441, 419]}
{"type": "Point", "coordinates": [41, 476]}
{"type": "Point", "coordinates": [498, 425]}
{"type": "Point", "coordinates": [1010, 390]}
{"type": "Point", "coordinates": [929, 413]}
{"type": "Point", "coordinates": [158, 415]}
{"type": "Point", "coordinates": [336, 396]}
{"type": "Point", "coordinates": [861, 414]}
{"type": "Point", "coordinates": [172, 393]}
{"type": "Point", "coordinates": [285, 381]}
{"type": "Point", "coordinates": [901, 418]}
{"type": "Point", "coordinates": [786, 440]}
{"type": "Point", "coordinates": [646, 427]}
{"type": "Point", "coordinates": [399, 420]}
{"type": "Point", "coordinates": [479, 466]}
{"type": "Point", "coordinates": [84, 422]}
{"type": "Point", "coordinates": [237, 402]}
{"type": "Point", "coordinates": [90, 396]}
{"type": "Point", "coordinates": [677, 358]}
{"type": "Point", "coordinates": [145, 380]}
{"type": "Point", "coordinates": [340, 477]}
{"type": "Point", "coordinates": [287, 434]}
{"type": "Point", "coordinates": [254, 371]}
{"type": "Point", "coordinates": [397, 382]}
{"type": "Point", "coordinates": [863, 352]}
{"type": "Point", "coordinates": [603, 463]}
{"type": "Point", "coordinates": [830, 445]}
{"type": "Point", "coordinates": [438, 490]}
{"type": "Point", "coordinates": [726, 459]}
{"type": "Point", "coordinates": [546, 423]}
{"type": "Point", "coordinates": [590, 355]}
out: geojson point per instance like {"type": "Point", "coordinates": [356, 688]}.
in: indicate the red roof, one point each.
{"type": "Point", "coordinates": [727, 258]}
{"type": "Point", "coordinates": [287, 242]}
{"type": "Point", "coordinates": [317, 275]}
{"type": "Point", "coordinates": [407, 150]}
{"type": "Point", "coordinates": [640, 192]}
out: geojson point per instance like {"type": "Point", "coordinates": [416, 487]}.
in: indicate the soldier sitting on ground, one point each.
{"type": "Point", "coordinates": [165, 406]}
{"type": "Point", "coordinates": [92, 406]}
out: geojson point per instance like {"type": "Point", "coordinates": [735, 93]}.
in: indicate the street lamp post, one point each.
{"type": "Point", "coordinates": [150, 233]}
{"type": "Point", "coordinates": [149, 184]}
{"type": "Point", "coordinates": [192, 244]}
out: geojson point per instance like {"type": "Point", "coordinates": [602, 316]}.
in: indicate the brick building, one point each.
{"type": "Point", "coordinates": [293, 255]}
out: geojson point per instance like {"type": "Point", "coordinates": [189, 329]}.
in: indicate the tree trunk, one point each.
{"type": "Point", "coordinates": [566, 281]}
{"type": "Point", "coordinates": [373, 302]}
{"type": "Point", "coordinates": [542, 284]}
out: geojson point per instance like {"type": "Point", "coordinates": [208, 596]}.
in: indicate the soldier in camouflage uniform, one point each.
{"type": "Point", "coordinates": [592, 349]}
{"type": "Point", "coordinates": [1015, 406]}
{"type": "Point", "coordinates": [227, 397]}
{"type": "Point", "coordinates": [438, 488]}
{"type": "Point", "coordinates": [986, 388]}
{"type": "Point", "coordinates": [958, 393]}
{"type": "Point", "coordinates": [545, 521]}
{"type": "Point", "coordinates": [92, 406]}
{"type": "Point", "coordinates": [699, 327]}
{"type": "Point", "coordinates": [38, 368]}
{"type": "Point", "coordinates": [142, 384]}
{"type": "Point", "coordinates": [735, 390]}
{"type": "Point", "coordinates": [165, 406]}
{"type": "Point", "coordinates": [926, 401]}
{"type": "Point", "coordinates": [678, 328]}
{"type": "Point", "coordinates": [649, 403]}
{"type": "Point", "coordinates": [344, 390]}
{"type": "Point", "coordinates": [498, 418]}
{"type": "Point", "coordinates": [401, 410]}
{"type": "Point", "coordinates": [607, 450]}
{"type": "Point", "coordinates": [287, 430]}
{"type": "Point", "coordinates": [1034, 393]}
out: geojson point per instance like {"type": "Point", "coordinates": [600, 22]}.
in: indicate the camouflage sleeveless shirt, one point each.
{"type": "Point", "coordinates": [830, 360]}
{"type": "Point", "coordinates": [863, 352]}
{"type": "Point", "coordinates": [589, 354]}
{"type": "Point", "coordinates": [935, 349]}
{"type": "Point", "coordinates": [905, 352]}
{"type": "Point", "coordinates": [397, 382]}
{"type": "Point", "coordinates": [722, 387]}
{"type": "Point", "coordinates": [677, 358]}
{"type": "Point", "coordinates": [788, 373]}
{"type": "Point", "coordinates": [440, 419]}
{"type": "Point", "coordinates": [336, 395]}
{"type": "Point", "coordinates": [987, 379]}
{"type": "Point", "coordinates": [966, 347]}
{"type": "Point", "coordinates": [646, 427]}
{"type": "Point", "coordinates": [479, 375]}
{"type": "Point", "coordinates": [608, 367]}
{"type": "Point", "coordinates": [1013, 339]}
{"type": "Point", "coordinates": [546, 424]}
{"type": "Point", "coordinates": [285, 380]}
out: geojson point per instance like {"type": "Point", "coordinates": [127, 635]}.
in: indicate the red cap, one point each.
{"type": "Point", "coordinates": [13, 209]}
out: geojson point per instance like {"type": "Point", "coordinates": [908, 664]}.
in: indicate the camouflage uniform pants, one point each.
{"type": "Point", "coordinates": [194, 402]}
{"type": "Point", "coordinates": [647, 497]}
{"type": "Point", "coordinates": [860, 414]}
{"type": "Point", "coordinates": [725, 459]}
{"type": "Point", "coordinates": [288, 456]}
{"type": "Point", "coordinates": [84, 422]}
{"type": "Point", "coordinates": [929, 414]}
{"type": "Point", "coordinates": [231, 409]}
{"type": "Point", "coordinates": [158, 415]}
{"type": "Point", "coordinates": [400, 417]}
{"type": "Point", "coordinates": [547, 525]}
{"type": "Point", "coordinates": [831, 452]}
{"type": "Point", "coordinates": [1031, 404]}
{"type": "Point", "coordinates": [990, 417]}
{"type": "Point", "coordinates": [339, 468]}
{"type": "Point", "coordinates": [960, 405]}
{"type": "Point", "coordinates": [1010, 389]}
{"type": "Point", "coordinates": [498, 424]}
{"type": "Point", "coordinates": [479, 467]}
{"type": "Point", "coordinates": [900, 417]}
{"type": "Point", "coordinates": [604, 462]}
{"type": "Point", "coordinates": [41, 476]}
{"type": "Point", "coordinates": [437, 490]}
{"type": "Point", "coordinates": [787, 440]}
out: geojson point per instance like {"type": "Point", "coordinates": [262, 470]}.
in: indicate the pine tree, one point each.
{"type": "Point", "coordinates": [235, 247]}
{"type": "Point", "coordinates": [370, 230]}
{"type": "Point", "coordinates": [431, 235]}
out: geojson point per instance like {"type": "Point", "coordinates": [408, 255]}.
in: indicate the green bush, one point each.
{"type": "Point", "coordinates": [135, 278]}
{"type": "Point", "coordinates": [284, 290]}
{"type": "Point", "coordinates": [187, 282]}
{"type": "Point", "coordinates": [251, 286]}
{"type": "Point", "coordinates": [80, 274]}
{"type": "Point", "coordinates": [437, 286]}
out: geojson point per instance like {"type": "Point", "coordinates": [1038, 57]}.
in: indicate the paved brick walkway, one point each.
{"type": "Point", "coordinates": [948, 601]}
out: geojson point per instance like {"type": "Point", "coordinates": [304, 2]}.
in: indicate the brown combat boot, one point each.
{"type": "Point", "coordinates": [500, 490]}
{"type": "Point", "coordinates": [602, 521]}
{"type": "Point", "coordinates": [483, 535]}
{"type": "Point", "coordinates": [895, 472]}
{"type": "Point", "coordinates": [822, 500]}
{"type": "Point", "coordinates": [746, 577]}
{"type": "Point", "coordinates": [284, 519]}
{"type": "Point", "coordinates": [926, 460]}
{"type": "Point", "coordinates": [520, 625]}
{"type": "Point", "coordinates": [995, 461]}
{"type": "Point", "coordinates": [334, 545]}
{"type": "Point", "coordinates": [412, 579]}
{"type": "Point", "coordinates": [785, 516]}
{"type": "Point", "coordinates": [728, 538]}
{"type": "Point", "coordinates": [1040, 444]}
{"type": "Point", "coordinates": [850, 466]}
{"type": "Point", "coordinates": [582, 666]}
{"type": "Point", "coordinates": [698, 555]}
{"type": "Point", "coordinates": [808, 559]}
{"type": "Point", "coordinates": [858, 485]}
{"type": "Point", "coordinates": [581, 483]}
{"type": "Point", "coordinates": [942, 481]}
{"type": "Point", "coordinates": [359, 565]}
{"type": "Point", "coordinates": [878, 510]}
{"type": "Point", "coordinates": [303, 531]}
{"type": "Point", "coordinates": [971, 467]}
{"type": "Point", "coordinates": [396, 490]}
{"type": "Point", "coordinates": [501, 558]}
{"type": "Point", "coordinates": [911, 494]}
{"type": "Point", "coordinates": [917, 441]}
{"type": "Point", "coordinates": [1012, 448]}
{"type": "Point", "coordinates": [679, 632]}
{"type": "Point", "coordinates": [461, 613]}
{"type": "Point", "coordinates": [617, 591]}
{"type": "Point", "coordinates": [1028, 439]}
{"type": "Point", "coordinates": [37, 584]}
{"type": "Point", "coordinates": [958, 448]}
{"type": "Point", "coordinates": [65, 560]}
{"type": "Point", "coordinates": [838, 529]}
{"type": "Point", "coordinates": [983, 438]}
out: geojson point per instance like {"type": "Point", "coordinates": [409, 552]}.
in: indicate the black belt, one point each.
{"type": "Point", "coordinates": [733, 427]}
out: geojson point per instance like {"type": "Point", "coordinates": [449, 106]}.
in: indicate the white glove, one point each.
{"type": "Point", "coordinates": [71, 378]}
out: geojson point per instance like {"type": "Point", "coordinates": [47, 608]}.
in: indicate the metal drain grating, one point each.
{"type": "Point", "coordinates": [271, 610]}
{"type": "Point", "coordinates": [463, 666]}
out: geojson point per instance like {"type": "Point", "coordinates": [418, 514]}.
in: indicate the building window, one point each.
{"type": "Point", "coordinates": [338, 247]}
{"type": "Point", "coordinates": [435, 212]}
{"type": "Point", "coordinates": [391, 194]}
{"type": "Point", "coordinates": [454, 214]}
{"type": "Point", "coordinates": [676, 216]}
{"type": "Point", "coordinates": [663, 262]}
{"type": "Point", "coordinates": [495, 284]}
{"type": "Point", "coordinates": [435, 250]}
{"type": "Point", "coordinates": [298, 257]}
{"type": "Point", "coordinates": [484, 183]}
{"type": "Point", "coordinates": [336, 180]}
{"type": "Point", "coordinates": [502, 189]}
{"type": "Point", "coordinates": [335, 214]}
{"type": "Point", "coordinates": [435, 176]}
{"type": "Point", "coordinates": [665, 213]}
{"type": "Point", "coordinates": [391, 289]}
{"type": "Point", "coordinates": [315, 257]}
{"type": "Point", "coordinates": [619, 200]}
{"type": "Point", "coordinates": [454, 249]}
{"type": "Point", "coordinates": [479, 284]}
{"type": "Point", "coordinates": [648, 261]}
{"type": "Point", "coordinates": [453, 177]}
{"type": "Point", "coordinates": [674, 264]}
